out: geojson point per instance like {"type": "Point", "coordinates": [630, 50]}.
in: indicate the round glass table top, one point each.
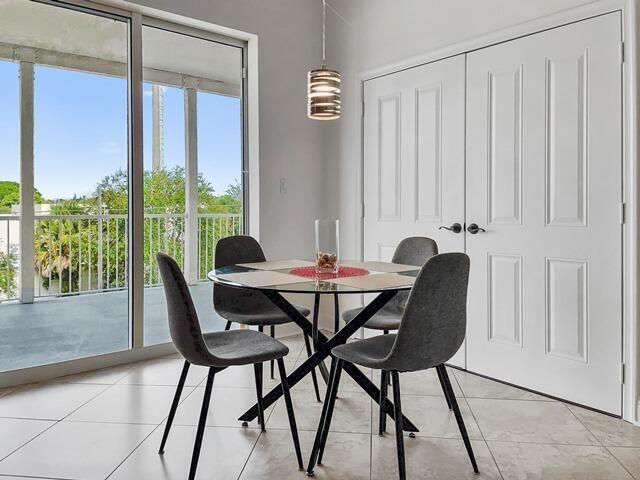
{"type": "Point", "coordinates": [267, 276]}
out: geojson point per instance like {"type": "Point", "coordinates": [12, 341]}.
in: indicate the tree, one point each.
{"type": "Point", "coordinates": [10, 195]}
{"type": "Point", "coordinates": [8, 273]}
{"type": "Point", "coordinates": [67, 249]}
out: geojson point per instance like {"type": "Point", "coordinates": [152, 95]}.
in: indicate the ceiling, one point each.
{"type": "Point", "coordinates": [35, 25]}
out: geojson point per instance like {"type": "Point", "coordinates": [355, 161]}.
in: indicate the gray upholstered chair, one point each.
{"type": "Point", "coordinates": [410, 251]}
{"type": "Point", "coordinates": [244, 306]}
{"type": "Point", "coordinates": [217, 350]}
{"type": "Point", "coordinates": [432, 329]}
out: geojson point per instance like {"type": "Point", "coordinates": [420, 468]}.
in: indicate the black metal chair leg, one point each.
{"type": "Point", "coordinates": [257, 369]}
{"type": "Point", "coordinates": [174, 405]}
{"type": "Point", "coordinates": [316, 442]}
{"type": "Point", "coordinates": [272, 363]}
{"type": "Point", "coordinates": [332, 403]}
{"type": "Point", "coordinates": [336, 313]}
{"type": "Point", "coordinates": [290, 412]}
{"type": "Point", "coordinates": [384, 383]}
{"type": "Point", "coordinates": [458, 415]}
{"type": "Point", "coordinates": [315, 318]}
{"type": "Point", "coordinates": [227, 326]}
{"type": "Point", "coordinates": [402, 473]}
{"type": "Point", "coordinates": [201, 424]}
{"type": "Point", "coordinates": [307, 345]}
{"type": "Point", "coordinates": [445, 390]}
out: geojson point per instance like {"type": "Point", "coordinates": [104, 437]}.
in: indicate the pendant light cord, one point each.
{"type": "Point", "coordinates": [324, 23]}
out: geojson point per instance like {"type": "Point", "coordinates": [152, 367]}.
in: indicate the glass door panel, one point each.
{"type": "Point", "coordinates": [9, 186]}
{"type": "Point", "coordinates": [73, 298]}
{"type": "Point", "coordinates": [193, 164]}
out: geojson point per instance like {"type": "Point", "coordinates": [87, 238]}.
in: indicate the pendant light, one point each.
{"type": "Point", "coordinates": [323, 85]}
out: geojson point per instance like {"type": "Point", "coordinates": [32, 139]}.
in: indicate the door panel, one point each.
{"type": "Point", "coordinates": [414, 159]}
{"type": "Point", "coordinates": [544, 169]}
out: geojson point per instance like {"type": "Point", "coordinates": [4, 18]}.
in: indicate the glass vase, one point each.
{"type": "Point", "coordinates": [327, 246]}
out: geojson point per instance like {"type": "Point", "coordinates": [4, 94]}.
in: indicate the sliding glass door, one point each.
{"type": "Point", "coordinates": [67, 185]}
{"type": "Point", "coordinates": [65, 282]}
{"type": "Point", "coordinates": [193, 163]}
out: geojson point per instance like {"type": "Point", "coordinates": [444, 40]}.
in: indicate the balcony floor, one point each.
{"type": "Point", "coordinates": [58, 329]}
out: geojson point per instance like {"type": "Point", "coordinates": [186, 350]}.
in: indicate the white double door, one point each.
{"type": "Point", "coordinates": [541, 174]}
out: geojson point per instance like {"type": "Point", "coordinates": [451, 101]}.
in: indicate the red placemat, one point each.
{"type": "Point", "coordinates": [310, 272]}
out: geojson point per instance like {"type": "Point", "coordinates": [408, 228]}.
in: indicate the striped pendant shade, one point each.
{"type": "Point", "coordinates": [323, 91]}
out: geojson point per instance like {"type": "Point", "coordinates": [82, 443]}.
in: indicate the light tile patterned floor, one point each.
{"type": "Point", "coordinates": [108, 424]}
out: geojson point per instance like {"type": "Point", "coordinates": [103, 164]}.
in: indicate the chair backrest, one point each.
{"type": "Point", "coordinates": [231, 251]}
{"type": "Point", "coordinates": [411, 251]}
{"type": "Point", "coordinates": [183, 319]}
{"type": "Point", "coordinates": [435, 318]}
{"type": "Point", "coordinates": [415, 251]}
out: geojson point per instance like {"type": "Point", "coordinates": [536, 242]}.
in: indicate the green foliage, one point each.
{"type": "Point", "coordinates": [8, 274]}
{"type": "Point", "coordinates": [10, 195]}
{"type": "Point", "coordinates": [66, 253]}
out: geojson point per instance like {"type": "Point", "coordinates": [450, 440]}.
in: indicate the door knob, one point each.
{"type": "Point", "coordinates": [474, 228]}
{"type": "Point", "coordinates": [455, 228]}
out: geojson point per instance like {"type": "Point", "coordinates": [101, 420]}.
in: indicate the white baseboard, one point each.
{"type": "Point", "coordinates": [81, 365]}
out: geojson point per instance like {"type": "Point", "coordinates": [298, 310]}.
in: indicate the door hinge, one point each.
{"type": "Point", "coordinates": [362, 109]}
{"type": "Point", "coordinates": [623, 213]}
{"type": "Point", "coordinates": [244, 72]}
{"type": "Point", "coordinates": [622, 373]}
{"type": "Point", "coordinates": [362, 210]}
{"type": "Point", "coordinates": [622, 52]}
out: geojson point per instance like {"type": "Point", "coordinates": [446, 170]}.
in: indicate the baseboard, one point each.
{"type": "Point", "coordinates": [81, 365]}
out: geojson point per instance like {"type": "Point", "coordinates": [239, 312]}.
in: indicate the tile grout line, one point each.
{"type": "Point", "coordinates": [56, 422]}
{"type": "Point", "coordinates": [600, 444]}
{"type": "Point", "coordinates": [619, 462]}
{"type": "Point", "coordinates": [495, 462]}
{"type": "Point", "coordinates": [182, 400]}
{"type": "Point", "coordinates": [583, 424]}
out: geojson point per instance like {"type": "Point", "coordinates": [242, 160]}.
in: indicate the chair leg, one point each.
{"type": "Point", "coordinates": [174, 405]}
{"type": "Point", "coordinates": [272, 363]}
{"type": "Point", "coordinates": [458, 415]}
{"type": "Point", "coordinates": [227, 326]}
{"type": "Point", "coordinates": [316, 316]}
{"type": "Point", "coordinates": [336, 314]}
{"type": "Point", "coordinates": [332, 403]}
{"type": "Point", "coordinates": [384, 385]}
{"type": "Point", "coordinates": [402, 473]}
{"type": "Point", "coordinates": [257, 370]}
{"type": "Point", "coordinates": [323, 415]}
{"type": "Point", "coordinates": [444, 388]}
{"type": "Point", "coordinates": [290, 412]}
{"type": "Point", "coordinates": [201, 424]}
{"type": "Point", "coordinates": [307, 345]}
{"type": "Point", "coordinates": [384, 389]}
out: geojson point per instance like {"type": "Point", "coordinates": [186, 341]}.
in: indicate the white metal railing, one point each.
{"type": "Point", "coordinates": [211, 228]}
{"type": "Point", "coordinates": [9, 262]}
{"type": "Point", "coordinates": [77, 254]}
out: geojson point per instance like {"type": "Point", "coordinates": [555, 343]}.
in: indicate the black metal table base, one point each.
{"type": "Point", "coordinates": [323, 347]}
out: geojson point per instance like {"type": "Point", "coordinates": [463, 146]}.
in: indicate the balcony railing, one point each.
{"type": "Point", "coordinates": [78, 254]}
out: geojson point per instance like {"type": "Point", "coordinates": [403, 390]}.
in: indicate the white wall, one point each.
{"type": "Point", "coordinates": [291, 145]}
{"type": "Point", "coordinates": [370, 34]}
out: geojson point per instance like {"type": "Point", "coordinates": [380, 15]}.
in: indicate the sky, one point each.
{"type": "Point", "coordinates": [81, 131]}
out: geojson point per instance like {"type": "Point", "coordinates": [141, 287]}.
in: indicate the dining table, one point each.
{"type": "Point", "coordinates": [275, 279]}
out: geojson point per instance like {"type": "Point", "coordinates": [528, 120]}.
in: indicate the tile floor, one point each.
{"type": "Point", "coordinates": [108, 424]}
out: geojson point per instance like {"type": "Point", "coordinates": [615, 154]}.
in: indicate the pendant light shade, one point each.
{"type": "Point", "coordinates": [323, 85]}
{"type": "Point", "coordinates": [324, 94]}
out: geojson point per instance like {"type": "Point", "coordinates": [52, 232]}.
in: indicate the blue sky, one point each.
{"type": "Point", "coordinates": [81, 131]}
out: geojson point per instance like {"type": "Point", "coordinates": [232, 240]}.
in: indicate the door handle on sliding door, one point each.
{"type": "Point", "coordinates": [474, 228]}
{"type": "Point", "coordinates": [455, 228]}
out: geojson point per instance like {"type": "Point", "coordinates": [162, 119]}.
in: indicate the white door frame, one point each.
{"type": "Point", "coordinates": [631, 190]}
